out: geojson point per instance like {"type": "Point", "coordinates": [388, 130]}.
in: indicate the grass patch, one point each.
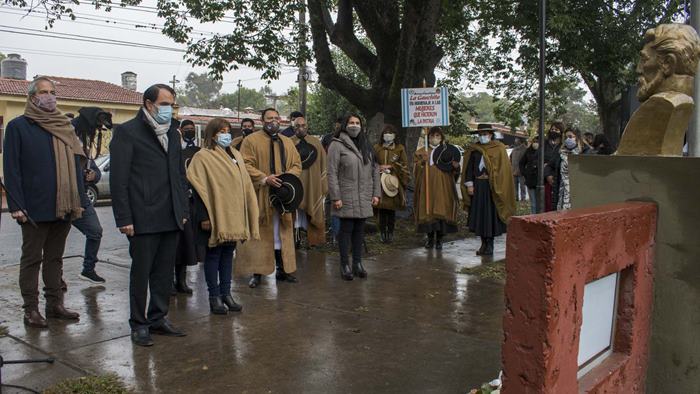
{"type": "Point", "coordinates": [104, 384]}
{"type": "Point", "coordinates": [495, 271]}
{"type": "Point", "coordinates": [4, 331]}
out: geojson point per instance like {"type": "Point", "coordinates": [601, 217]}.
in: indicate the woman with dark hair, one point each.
{"type": "Point", "coordinates": [435, 202]}
{"type": "Point", "coordinates": [394, 176]}
{"type": "Point", "coordinates": [225, 212]}
{"type": "Point", "coordinates": [572, 145]}
{"type": "Point", "coordinates": [353, 187]}
{"type": "Point", "coordinates": [488, 192]}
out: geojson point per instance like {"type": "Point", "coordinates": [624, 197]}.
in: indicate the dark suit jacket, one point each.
{"type": "Point", "coordinates": [148, 185]}
{"type": "Point", "coordinates": [30, 170]}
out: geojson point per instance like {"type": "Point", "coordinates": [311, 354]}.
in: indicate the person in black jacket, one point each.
{"type": "Point", "coordinates": [43, 163]}
{"type": "Point", "coordinates": [528, 168]}
{"type": "Point", "coordinates": [150, 207]}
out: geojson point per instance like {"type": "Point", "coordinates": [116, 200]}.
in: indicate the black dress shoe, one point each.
{"type": "Point", "coordinates": [345, 271]}
{"type": "Point", "coordinates": [488, 250]}
{"type": "Point", "coordinates": [216, 306]}
{"type": "Point", "coordinates": [285, 277]}
{"type": "Point", "coordinates": [483, 246]}
{"type": "Point", "coordinates": [254, 281]}
{"type": "Point", "coordinates": [358, 270]}
{"type": "Point", "coordinates": [429, 241]}
{"type": "Point", "coordinates": [167, 329]}
{"type": "Point", "coordinates": [141, 337]}
{"type": "Point", "coordinates": [232, 305]}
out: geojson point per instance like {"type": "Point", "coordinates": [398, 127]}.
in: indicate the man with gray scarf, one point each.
{"type": "Point", "coordinates": [150, 207]}
{"type": "Point", "coordinates": [42, 162]}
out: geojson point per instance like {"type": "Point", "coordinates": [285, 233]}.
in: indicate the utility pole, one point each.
{"type": "Point", "coordinates": [543, 76]}
{"type": "Point", "coordinates": [303, 73]}
{"type": "Point", "coordinates": [693, 135]}
{"type": "Point", "coordinates": [239, 97]}
{"type": "Point", "coordinates": [174, 82]}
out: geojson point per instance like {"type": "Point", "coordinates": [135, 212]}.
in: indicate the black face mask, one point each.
{"type": "Point", "coordinates": [246, 132]}
{"type": "Point", "coordinates": [553, 136]}
{"type": "Point", "coordinates": [188, 134]}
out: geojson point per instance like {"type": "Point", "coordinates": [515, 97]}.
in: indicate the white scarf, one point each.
{"type": "Point", "coordinates": [161, 130]}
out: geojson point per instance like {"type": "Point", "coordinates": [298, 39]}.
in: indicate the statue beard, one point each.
{"type": "Point", "coordinates": [649, 88]}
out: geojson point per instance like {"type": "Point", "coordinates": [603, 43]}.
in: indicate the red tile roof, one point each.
{"type": "Point", "coordinates": [77, 89]}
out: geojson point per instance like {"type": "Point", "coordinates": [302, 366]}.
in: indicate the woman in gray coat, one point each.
{"type": "Point", "coordinates": [353, 187]}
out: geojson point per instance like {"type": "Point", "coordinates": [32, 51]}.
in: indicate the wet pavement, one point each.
{"type": "Point", "coordinates": [415, 325]}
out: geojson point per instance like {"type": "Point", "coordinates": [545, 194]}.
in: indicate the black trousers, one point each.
{"type": "Point", "coordinates": [387, 219]}
{"type": "Point", "coordinates": [152, 263]}
{"type": "Point", "coordinates": [352, 233]}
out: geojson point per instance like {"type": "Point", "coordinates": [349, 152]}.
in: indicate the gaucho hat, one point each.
{"type": "Point", "coordinates": [308, 153]}
{"type": "Point", "coordinates": [445, 154]}
{"type": "Point", "coordinates": [287, 197]}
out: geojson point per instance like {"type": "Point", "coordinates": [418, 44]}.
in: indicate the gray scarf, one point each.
{"type": "Point", "coordinates": [161, 130]}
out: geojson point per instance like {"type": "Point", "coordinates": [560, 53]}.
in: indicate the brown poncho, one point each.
{"type": "Point", "coordinates": [315, 181]}
{"type": "Point", "coordinates": [500, 178]}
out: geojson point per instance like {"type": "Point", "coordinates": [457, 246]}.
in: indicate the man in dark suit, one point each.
{"type": "Point", "coordinates": [43, 170]}
{"type": "Point", "coordinates": [149, 201]}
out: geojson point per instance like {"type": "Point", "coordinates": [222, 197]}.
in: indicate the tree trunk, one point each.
{"type": "Point", "coordinates": [608, 98]}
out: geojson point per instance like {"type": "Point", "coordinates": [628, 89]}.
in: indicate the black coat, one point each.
{"type": "Point", "coordinates": [30, 170]}
{"type": "Point", "coordinates": [528, 167]}
{"type": "Point", "coordinates": [148, 185]}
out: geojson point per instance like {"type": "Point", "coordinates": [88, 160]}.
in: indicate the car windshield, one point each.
{"type": "Point", "coordinates": [100, 160]}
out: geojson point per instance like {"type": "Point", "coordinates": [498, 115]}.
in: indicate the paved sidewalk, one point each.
{"type": "Point", "coordinates": [414, 326]}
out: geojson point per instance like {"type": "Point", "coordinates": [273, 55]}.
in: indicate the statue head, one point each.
{"type": "Point", "coordinates": [668, 60]}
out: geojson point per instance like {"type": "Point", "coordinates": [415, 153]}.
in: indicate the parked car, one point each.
{"type": "Point", "coordinates": [100, 190]}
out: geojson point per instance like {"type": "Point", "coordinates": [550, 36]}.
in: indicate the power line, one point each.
{"type": "Point", "coordinates": [78, 37]}
{"type": "Point", "coordinates": [137, 25]}
{"type": "Point", "coordinates": [90, 57]}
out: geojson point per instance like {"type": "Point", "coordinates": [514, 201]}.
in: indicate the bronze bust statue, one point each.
{"type": "Point", "coordinates": [666, 70]}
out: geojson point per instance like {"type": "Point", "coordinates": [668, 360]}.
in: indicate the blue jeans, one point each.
{"type": "Point", "coordinates": [335, 225]}
{"type": "Point", "coordinates": [89, 225]}
{"type": "Point", "coordinates": [534, 208]}
{"type": "Point", "coordinates": [218, 269]}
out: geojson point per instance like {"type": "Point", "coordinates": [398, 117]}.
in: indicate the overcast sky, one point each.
{"type": "Point", "coordinates": [106, 62]}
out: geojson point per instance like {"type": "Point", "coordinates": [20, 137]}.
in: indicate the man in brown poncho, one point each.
{"type": "Point", "coordinates": [42, 161]}
{"type": "Point", "coordinates": [488, 192]}
{"type": "Point", "coordinates": [310, 215]}
{"type": "Point", "coordinates": [435, 203]}
{"type": "Point", "coordinates": [268, 154]}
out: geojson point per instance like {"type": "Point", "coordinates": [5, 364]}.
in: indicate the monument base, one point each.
{"type": "Point", "coordinates": [674, 184]}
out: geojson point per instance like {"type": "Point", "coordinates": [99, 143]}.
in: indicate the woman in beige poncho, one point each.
{"type": "Point", "coordinates": [226, 209]}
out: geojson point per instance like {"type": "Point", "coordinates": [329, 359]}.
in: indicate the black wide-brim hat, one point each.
{"type": "Point", "coordinates": [445, 154]}
{"type": "Point", "coordinates": [308, 154]}
{"type": "Point", "coordinates": [287, 197]}
{"type": "Point", "coordinates": [483, 127]}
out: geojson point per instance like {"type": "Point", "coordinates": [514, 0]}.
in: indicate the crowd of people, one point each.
{"type": "Point", "coordinates": [560, 143]}
{"type": "Point", "coordinates": [182, 200]}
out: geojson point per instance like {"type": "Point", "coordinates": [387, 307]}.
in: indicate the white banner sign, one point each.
{"type": "Point", "coordinates": [425, 107]}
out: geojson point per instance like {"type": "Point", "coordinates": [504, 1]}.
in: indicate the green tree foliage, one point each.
{"type": "Point", "coordinates": [250, 98]}
{"type": "Point", "coordinates": [594, 41]}
{"type": "Point", "coordinates": [200, 91]}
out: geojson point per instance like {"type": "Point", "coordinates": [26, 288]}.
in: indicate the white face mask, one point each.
{"type": "Point", "coordinates": [484, 139]}
{"type": "Point", "coordinates": [435, 141]}
{"type": "Point", "coordinates": [389, 138]}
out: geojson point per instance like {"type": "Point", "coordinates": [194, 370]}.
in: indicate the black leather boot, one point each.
{"type": "Point", "coordinates": [281, 275]}
{"type": "Point", "coordinates": [429, 241]}
{"type": "Point", "coordinates": [438, 241]}
{"type": "Point", "coordinates": [482, 248]}
{"type": "Point", "coordinates": [488, 250]}
{"type": "Point", "coordinates": [181, 279]}
{"type": "Point", "coordinates": [358, 270]}
{"type": "Point", "coordinates": [232, 305]}
{"type": "Point", "coordinates": [345, 271]}
{"type": "Point", "coordinates": [216, 306]}
{"type": "Point", "coordinates": [254, 281]}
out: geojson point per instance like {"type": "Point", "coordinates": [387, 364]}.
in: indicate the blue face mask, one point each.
{"type": "Point", "coordinates": [164, 114]}
{"type": "Point", "coordinates": [224, 140]}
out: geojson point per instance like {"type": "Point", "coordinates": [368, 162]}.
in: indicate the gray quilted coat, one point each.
{"type": "Point", "coordinates": [351, 180]}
